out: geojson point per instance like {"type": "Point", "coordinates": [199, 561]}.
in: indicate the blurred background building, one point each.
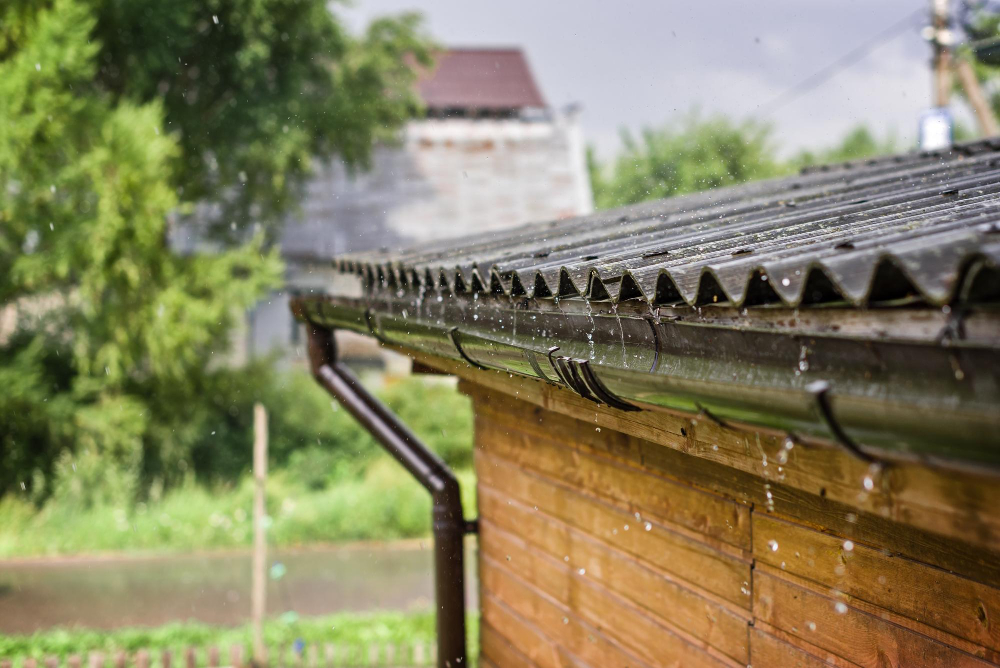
{"type": "Point", "coordinates": [489, 154]}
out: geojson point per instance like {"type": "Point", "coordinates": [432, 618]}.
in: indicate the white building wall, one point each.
{"type": "Point", "coordinates": [446, 178]}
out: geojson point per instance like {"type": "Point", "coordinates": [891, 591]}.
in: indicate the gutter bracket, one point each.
{"type": "Point", "coordinates": [453, 335]}
{"type": "Point", "coordinates": [535, 366]}
{"type": "Point", "coordinates": [820, 390]}
{"type": "Point", "coordinates": [604, 395]}
{"type": "Point", "coordinates": [555, 367]}
{"type": "Point", "coordinates": [570, 369]}
{"type": "Point", "coordinates": [579, 376]}
{"type": "Point", "coordinates": [715, 419]}
{"type": "Point", "coordinates": [370, 321]}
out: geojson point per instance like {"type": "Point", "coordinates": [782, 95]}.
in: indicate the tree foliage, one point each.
{"type": "Point", "coordinates": [690, 155]}
{"type": "Point", "coordinates": [858, 143]}
{"type": "Point", "coordinates": [694, 154]}
{"type": "Point", "coordinates": [114, 116]}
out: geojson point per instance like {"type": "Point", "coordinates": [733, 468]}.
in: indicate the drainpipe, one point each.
{"type": "Point", "coordinates": [430, 471]}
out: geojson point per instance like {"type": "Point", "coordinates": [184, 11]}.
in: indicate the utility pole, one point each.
{"type": "Point", "coordinates": [977, 99]}
{"type": "Point", "coordinates": [941, 39]}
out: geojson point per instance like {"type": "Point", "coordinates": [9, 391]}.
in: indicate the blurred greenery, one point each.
{"type": "Point", "coordinates": [117, 118]}
{"type": "Point", "coordinates": [330, 481]}
{"type": "Point", "coordinates": [351, 629]}
{"type": "Point", "coordinates": [696, 152]}
{"type": "Point", "coordinates": [686, 156]}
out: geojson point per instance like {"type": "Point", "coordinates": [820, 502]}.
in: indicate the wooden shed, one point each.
{"type": "Point", "coordinates": [753, 426]}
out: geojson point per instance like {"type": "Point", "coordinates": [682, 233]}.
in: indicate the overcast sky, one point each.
{"type": "Point", "coordinates": [639, 63]}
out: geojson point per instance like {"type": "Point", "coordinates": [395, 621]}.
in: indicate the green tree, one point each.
{"type": "Point", "coordinates": [115, 116]}
{"type": "Point", "coordinates": [257, 89]}
{"type": "Point", "coordinates": [858, 143]}
{"type": "Point", "coordinates": [687, 156]}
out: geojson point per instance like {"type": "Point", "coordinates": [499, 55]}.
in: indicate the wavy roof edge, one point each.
{"type": "Point", "coordinates": [920, 226]}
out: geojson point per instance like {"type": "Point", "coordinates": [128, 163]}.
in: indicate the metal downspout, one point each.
{"type": "Point", "coordinates": [430, 471]}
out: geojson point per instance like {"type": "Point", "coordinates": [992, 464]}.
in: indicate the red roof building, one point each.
{"type": "Point", "coordinates": [485, 80]}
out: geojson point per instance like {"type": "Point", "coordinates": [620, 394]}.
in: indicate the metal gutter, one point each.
{"type": "Point", "coordinates": [878, 395]}
{"type": "Point", "coordinates": [429, 470]}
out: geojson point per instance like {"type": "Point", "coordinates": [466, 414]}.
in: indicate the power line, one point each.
{"type": "Point", "coordinates": [843, 62]}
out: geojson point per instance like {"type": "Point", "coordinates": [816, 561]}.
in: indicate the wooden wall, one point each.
{"type": "Point", "coordinates": [654, 539]}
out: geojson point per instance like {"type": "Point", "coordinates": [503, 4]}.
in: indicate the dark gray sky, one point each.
{"type": "Point", "coordinates": [638, 63]}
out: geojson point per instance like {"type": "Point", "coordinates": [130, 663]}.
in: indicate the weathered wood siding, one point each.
{"type": "Point", "coordinates": [654, 539]}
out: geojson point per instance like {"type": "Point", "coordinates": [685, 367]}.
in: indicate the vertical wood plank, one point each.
{"type": "Point", "coordinates": [258, 591]}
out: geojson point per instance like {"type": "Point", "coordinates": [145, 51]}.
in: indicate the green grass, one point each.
{"type": "Point", "coordinates": [382, 503]}
{"type": "Point", "coordinates": [356, 630]}
{"type": "Point", "coordinates": [330, 482]}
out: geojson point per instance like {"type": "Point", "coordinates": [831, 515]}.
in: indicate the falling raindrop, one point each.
{"type": "Point", "coordinates": [840, 607]}
{"type": "Point", "coordinates": [773, 544]}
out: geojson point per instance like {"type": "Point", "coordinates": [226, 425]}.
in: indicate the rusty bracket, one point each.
{"type": "Point", "coordinates": [820, 390]}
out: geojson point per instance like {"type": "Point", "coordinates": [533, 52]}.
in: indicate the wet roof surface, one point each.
{"type": "Point", "coordinates": [922, 226]}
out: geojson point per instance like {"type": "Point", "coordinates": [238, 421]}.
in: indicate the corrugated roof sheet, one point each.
{"type": "Point", "coordinates": [924, 225]}
{"type": "Point", "coordinates": [486, 79]}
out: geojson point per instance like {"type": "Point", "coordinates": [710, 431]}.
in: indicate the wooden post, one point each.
{"type": "Point", "coordinates": [978, 101]}
{"type": "Point", "coordinates": [258, 590]}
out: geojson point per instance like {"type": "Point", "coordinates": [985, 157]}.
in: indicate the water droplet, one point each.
{"type": "Point", "coordinates": [786, 282]}
{"type": "Point", "coordinates": [840, 607]}
{"type": "Point", "coordinates": [649, 526]}
{"type": "Point", "coordinates": [38, 67]}
{"type": "Point", "coordinates": [565, 620]}
{"type": "Point", "coordinates": [215, 19]}
{"type": "Point", "coordinates": [848, 545]}
{"type": "Point", "coordinates": [582, 571]}
{"type": "Point", "coordinates": [773, 544]}
{"type": "Point", "coordinates": [811, 626]}
{"type": "Point", "coordinates": [869, 483]}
